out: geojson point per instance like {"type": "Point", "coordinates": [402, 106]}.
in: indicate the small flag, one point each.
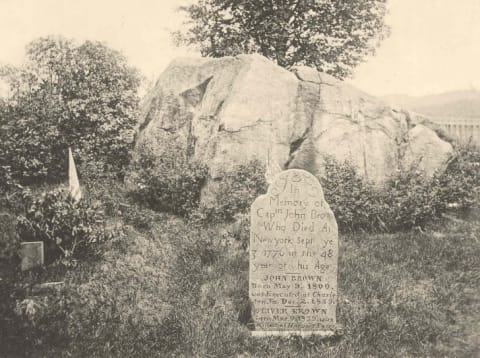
{"type": "Point", "coordinates": [73, 183]}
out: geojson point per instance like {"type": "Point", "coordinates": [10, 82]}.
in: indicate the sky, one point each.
{"type": "Point", "coordinates": [434, 45]}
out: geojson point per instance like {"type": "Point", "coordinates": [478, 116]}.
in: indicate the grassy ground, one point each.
{"type": "Point", "coordinates": [165, 288]}
{"type": "Point", "coordinates": [407, 294]}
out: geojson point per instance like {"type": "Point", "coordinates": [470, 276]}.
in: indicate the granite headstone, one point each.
{"type": "Point", "coordinates": [293, 258]}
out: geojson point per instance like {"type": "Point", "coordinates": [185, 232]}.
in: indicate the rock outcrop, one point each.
{"type": "Point", "coordinates": [231, 110]}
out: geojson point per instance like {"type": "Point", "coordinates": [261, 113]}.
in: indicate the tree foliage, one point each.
{"type": "Point", "coordinates": [67, 94]}
{"type": "Point", "coordinates": [332, 35]}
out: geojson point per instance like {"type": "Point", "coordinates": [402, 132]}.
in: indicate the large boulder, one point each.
{"type": "Point", "coordinates": [231, 110]}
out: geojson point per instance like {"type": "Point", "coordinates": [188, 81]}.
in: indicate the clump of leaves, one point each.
{"type": "Point", "coordinates": [333, 36]}
{"type": "Point", "coordinates": [407, 199]}
{"type": "Point", "coordinates": [170, 183]}
{"type": "Point", "coordinates": [354, 201]}
{"type": "Point", "coordinates": [67, 94]}
{"type": "Point", "coordinates": [69, 229]}
{"type": "Point", "coordinates": [9, 241]}
{"type": "Point", "coordinates": [236, 191]}
{"type": "Point", "coordinates": [460, 183]}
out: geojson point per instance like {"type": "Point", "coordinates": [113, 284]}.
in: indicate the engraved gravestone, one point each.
{"type": "Point", "coordinates": [293, 258]}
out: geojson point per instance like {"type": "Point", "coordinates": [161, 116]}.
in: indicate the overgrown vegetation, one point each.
{"type": "Point", "coordinates": [160, 286]}
{"type": "Point", "coordinates": [235, 192]}
{"type": "Point", "coordinates": [170, 289]}
{"type": "Point", "coordinates": [68, 229]}
{"type": "Point", "coordinates": [460, 183]}
{"type": "Point", "coordinates": [67, 94]}
{"type": "Point", "coordinates": [171, 183]}
{"type": "Point", "coordinates": [407, 200]}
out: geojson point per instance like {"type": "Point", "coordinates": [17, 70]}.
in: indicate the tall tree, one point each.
{"type": "Point", "coordinates": [67, 94]}
{"type": "Point", "coordinates": [332, 35]}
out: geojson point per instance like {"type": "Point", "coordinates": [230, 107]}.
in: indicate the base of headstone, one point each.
{"type": "Point", "coordinates": [292, 333]}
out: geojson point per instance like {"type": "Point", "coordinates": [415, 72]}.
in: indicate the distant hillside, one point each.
{"type": "Point", "coordinates": [460, 104]}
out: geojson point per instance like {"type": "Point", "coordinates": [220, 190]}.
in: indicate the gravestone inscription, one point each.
{"type": "Point", "coordinates": [293, 258]}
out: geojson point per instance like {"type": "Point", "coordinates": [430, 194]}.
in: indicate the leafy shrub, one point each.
{"type": "Point", "coordinates": [410, 199]}
{"type": "Point", "coordinates": [9, 242]}
{"type": "Point", "coordinates": [67, 94]}
{"type": "Point", "coordinates": [354, 201]}
{"type": "Point", "coordinates": [69, 229]}
{"type": "Point", "coordinates": [460, 183]}
{"type": "Point", "coordinates": [236, 192]}
{"type": "Point", "coordinates": [5, 179]}
{"type": "Point", "coordinates": [240, 230]}
{"type": "Point", "coordinates": [172, 183]}
{"type": "Point", "coordinates": [108, 191]}
{"type": "Point", "coordinates": [116, 203]}
{"type": "Point", "coordinates": [407, 199]}
{"type": "Point", "coordinates": [239, 188]}
{"type": "Point", "coordinates": [9, 267]}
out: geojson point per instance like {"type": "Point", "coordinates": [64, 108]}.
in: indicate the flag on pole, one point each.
{"type": "Point", "coordinates": [73, 183]}
{"type": "Point", "coordinates": [272, 168]}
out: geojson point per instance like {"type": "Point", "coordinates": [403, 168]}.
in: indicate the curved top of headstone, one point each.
{"type": "Point", "coordinates": [312, 188]}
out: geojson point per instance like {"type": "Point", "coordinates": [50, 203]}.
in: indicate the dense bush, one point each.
{"type": "Point", "coordinates": [460, 183]}
{"type": "Point", "coordinates": [239, 188]}
{"type": "Point", "coordinates": [407, 199]}
{"type": "Point", "coordinates": [354, 201]}
{"type": "Point", "coordinates": [67, 228]}
{"type": "Point", "coordinates": [171, 183]}
{"type": "Point", "coordinates": [9, 242]}
{"type": "Point", "coordinates": [6, 180]}
{"type": "Point", "coordinates": [235, 192]}
{"type": "Point", "coordinates": [30, 318]}
{"type": "Point", "coordinates": [67, 94]}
